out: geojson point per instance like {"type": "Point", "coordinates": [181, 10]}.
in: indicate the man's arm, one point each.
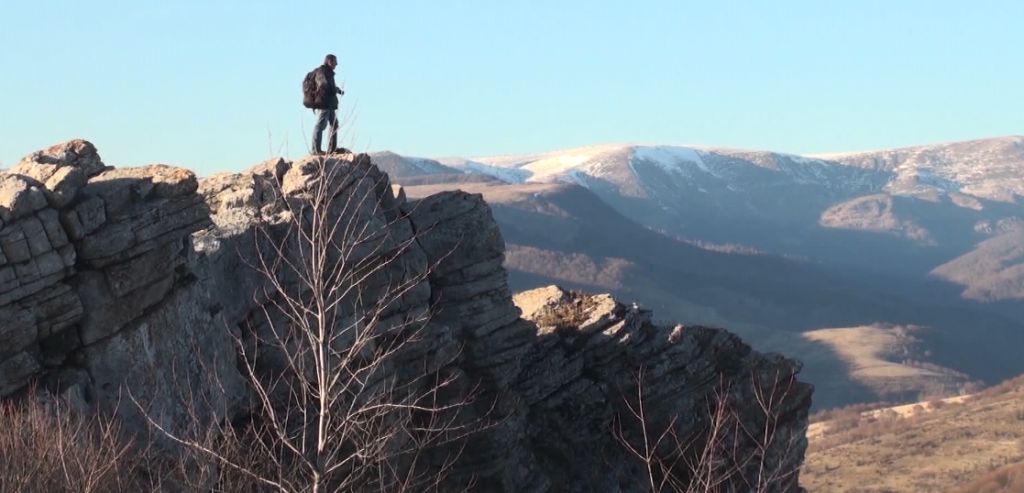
{"type": "Point", "coordinates": [334, 85]}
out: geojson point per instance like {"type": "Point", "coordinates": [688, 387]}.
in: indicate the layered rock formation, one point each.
{"type": "Point", "coordinates": [98, 284]}
{"type": "Point", "coordinates": [598, 365]}
{"type": "Point", "coordinates": [122, 285]}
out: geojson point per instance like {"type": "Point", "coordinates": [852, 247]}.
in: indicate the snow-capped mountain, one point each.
{"type": "Point", "coordinates": [660, 185]}
{"type": "Point", "coordinates": [899, 210]}
{"type": "Point", "coordinates": [991, 168]}
{"type": "Point", "coordinates": [988, 168]}
{"type": "Point", "coordinates": [915, 237]}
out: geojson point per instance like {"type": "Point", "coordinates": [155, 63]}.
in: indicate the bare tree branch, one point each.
{"type": "Point", "coordinates": [349, 382]}
{"type": "Point", "coordinates": [735, 450]}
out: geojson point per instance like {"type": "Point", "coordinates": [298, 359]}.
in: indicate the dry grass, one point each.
{"type": "Point", "coordinates": [826, 415]}
{"type": "Point", "coordinates": [918, 447]}
{"type": "Point", "coordinates": [46, 447]}
{"type": "Point", "coordinates": [891, 361]}
{"type": "Point", "coordinates": [571, 313]}
{"type": "Point", "coordinates": [878, 353]}
{"type": "Point", "coordinates": [50, 449]}
{"type": "Point", "coordinates": [830, 422]}
{"type": "Point", "coordinates": [1009, 479]}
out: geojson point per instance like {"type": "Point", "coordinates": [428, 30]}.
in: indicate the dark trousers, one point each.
{"type": "Point", "coordinates": [323, 119]}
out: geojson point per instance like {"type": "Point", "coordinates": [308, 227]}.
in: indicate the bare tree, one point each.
{"type": "Point", "coordinates": [728, 452]}
{"type": "Point", "coordinates": [354, 389]}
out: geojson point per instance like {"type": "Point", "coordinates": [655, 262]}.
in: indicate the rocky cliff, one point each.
{"type": "Point", "coordinates": [122, 285]}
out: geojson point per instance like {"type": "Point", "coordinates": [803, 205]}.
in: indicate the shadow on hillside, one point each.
{"type": "Point", "coordinates": [758, 289]}
{"type": "Point", "coordinates": [934, 230]}
{"type": "Point", "coordinates": [762, 290]}
{"type": "Point", "coordinates": [787, 296]}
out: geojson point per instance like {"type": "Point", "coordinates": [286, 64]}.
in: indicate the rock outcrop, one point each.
{"type": "Point", "coordinates": [597, 365]}
{"type": "Point", "coordinates": [97, 283]}
{"type": "Point", "coordinates": [129, 285]}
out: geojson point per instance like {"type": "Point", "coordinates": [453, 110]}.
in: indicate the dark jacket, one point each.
{"type": "Point", "coordinates": [328, 89]}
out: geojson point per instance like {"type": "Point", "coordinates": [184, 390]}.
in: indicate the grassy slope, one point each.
{"type": "Point", "coordinates": [936, 451]}
{"type": "Point", "coordinates": [1009, 479]}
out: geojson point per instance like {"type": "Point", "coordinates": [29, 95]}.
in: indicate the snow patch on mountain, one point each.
{"type": "Point", "coordinates": [802, 159]}
{"type": "Point", "coordinates": [987, 168]}
{"type": "Point", "coordinates": [670, 158]}
{"type": "Point", "coordinates": [991, 168]}
{"type": "Point", "coordinates": [692, 166]}
{"type": "Point", "coordinates": [558, 164]}
{"type": "Point", "coordinates": [629, 162]}
{"type": "Point", "coordinates": [578, 178]}
{"type": "Point", "coordinates": [507, 175]}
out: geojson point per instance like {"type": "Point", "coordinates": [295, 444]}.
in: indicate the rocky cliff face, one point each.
{"type": "Point", "coordinates": [121, 284]}
{"type": "Point", "coordinates": [98, 292]}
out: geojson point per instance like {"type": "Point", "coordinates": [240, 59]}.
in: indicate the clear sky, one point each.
{"type": "Point", "coordinates": [216, 84]}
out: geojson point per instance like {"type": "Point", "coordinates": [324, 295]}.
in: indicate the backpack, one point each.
{"type": "Point", "coordinates": [311, 94]}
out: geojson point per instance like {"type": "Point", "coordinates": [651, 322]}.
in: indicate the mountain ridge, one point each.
{"type": "Point", "coordinates": [900, 232]}
{"type": "Point", "coordinates": [834, 155]}
{"type": "Point", "coordinates": [916, 208]}
{"type": "Point", "coordinates": [552, 165]}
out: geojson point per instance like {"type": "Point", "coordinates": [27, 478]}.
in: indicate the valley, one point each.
{"type": "Point", "coordinates": [887, 286]}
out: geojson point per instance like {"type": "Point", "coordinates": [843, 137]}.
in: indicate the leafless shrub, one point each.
{"type": "Point", "coordinates": [847, 411]}
{"type": "Point", "coordinates": [53, 449]}
{"type": "Point", "coordinates": [864, 428]}
{"type": "Point", "coordinates": [729, 453]}
{"type": "Point", "coordinates": [843, 423]}
{"type": "Point", "coordinates": [1001, 389]}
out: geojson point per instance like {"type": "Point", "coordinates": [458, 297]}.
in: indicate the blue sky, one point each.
{"type": "Point", "coordinates": [215, 84]}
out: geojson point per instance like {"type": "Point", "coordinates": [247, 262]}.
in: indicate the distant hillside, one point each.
{"type": "Point", "coordinates": [400, 167]}
{"type": "Point", "coordinates": [418, 171]}
{"type": "Point", "coordinates": [994, 269]}
{"type": "Point", "coordinates": [858, 344]}
{"type": "Point", "coordinates": [910, 221]}
{"type": "Point", "coordinates": [987, 168]}
{"type": "Point", "coordinates": [973, 447]}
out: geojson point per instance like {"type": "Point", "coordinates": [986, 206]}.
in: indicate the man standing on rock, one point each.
{"type": "Point", "coordinates": [321, 94]}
